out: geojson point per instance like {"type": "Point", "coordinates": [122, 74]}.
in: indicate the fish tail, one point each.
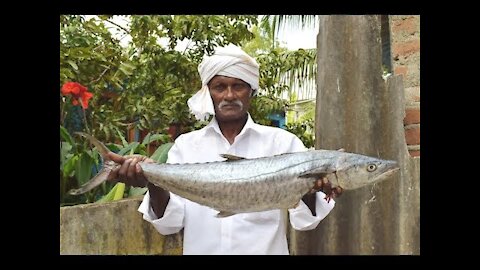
{"type": "Point", "coordinates": [103, 174]}
{"type": "Point", "coordinates": [102, 149]}
{"type": "Point", "coordinates": [94, 182]}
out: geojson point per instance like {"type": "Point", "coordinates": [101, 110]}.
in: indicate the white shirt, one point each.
{"type": "Point", "coordinates": [246, 233]}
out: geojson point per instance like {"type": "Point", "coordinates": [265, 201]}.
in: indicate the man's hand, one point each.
{"type": "Point", "coordinates": [130, 171]}
{"type": "Point", "coordinates": [325, 186]}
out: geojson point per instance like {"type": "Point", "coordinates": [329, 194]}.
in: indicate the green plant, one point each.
{"type": "Point", "coordinates": [304, 131]}
{"type": "Point", "coordinates": [77, 165]}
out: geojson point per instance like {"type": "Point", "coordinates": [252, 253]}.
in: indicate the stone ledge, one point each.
{"type": "Point", "coordinates": [113, 228]}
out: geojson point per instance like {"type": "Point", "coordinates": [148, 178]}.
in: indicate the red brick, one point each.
{"type": "Point", "coordinates": [414, 153]}
{"type": "Point", "coordinates": [401, 70]}
{"type": "Point", "coordinates": [408, 26]}
{"type": "Point", "coordinates": [406, 48]}
{"type": "Point", "coordinates": [412, 116]}
{"type": "Point", "coordinates": [412, 135]}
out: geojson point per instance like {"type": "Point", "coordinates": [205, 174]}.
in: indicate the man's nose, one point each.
{"type": "Point", "coordinates": [229, 93]}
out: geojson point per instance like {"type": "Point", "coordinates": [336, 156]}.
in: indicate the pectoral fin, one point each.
{"type": "Point", "coordinates": [231, 157]}
{"type": "Point", "coordinates": [222, 214]}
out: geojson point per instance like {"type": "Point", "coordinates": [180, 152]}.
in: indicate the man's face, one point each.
{"type": "Point", "coordinates": [231, 97]}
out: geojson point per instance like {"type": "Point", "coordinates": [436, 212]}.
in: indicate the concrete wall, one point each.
{"type": "Point", "coordinates": [359, 111]}
{"type": "Point", "coordinates": [114, 228]}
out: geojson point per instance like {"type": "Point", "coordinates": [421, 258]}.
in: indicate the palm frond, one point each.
{"type": "Point", "coordinates": [276, 23]}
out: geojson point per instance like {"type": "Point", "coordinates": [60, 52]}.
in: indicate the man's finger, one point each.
{"type": "Point", "coordinates": [131, 171]}
{"type": "Point", "coordinates": [138, 169]}
{"type": "Point", "coordinates": [122, 173]}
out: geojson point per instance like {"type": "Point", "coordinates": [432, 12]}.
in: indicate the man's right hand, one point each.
{"type": "Point", "coordinates": [131, 174]}
{"type": "Point", "coordinates": [130, 171]}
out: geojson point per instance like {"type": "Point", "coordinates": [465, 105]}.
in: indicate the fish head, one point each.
{"type": "Point", "coordinates": [356, 171]}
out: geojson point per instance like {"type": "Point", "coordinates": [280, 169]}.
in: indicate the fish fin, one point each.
{"type": "Point", "coordinates": [231, 157]}
{"type": "Point", "coordinates": [224, 214]}
{"type": "Point", "coordinates": [94, 182]}
{"type": "Point", "coordinates": [102, 149]}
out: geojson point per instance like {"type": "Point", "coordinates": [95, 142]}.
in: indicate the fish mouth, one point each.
{"type": "Point", "coordinates": [391, 172]}
{"type": "Point", "coordinates": [392, 169]}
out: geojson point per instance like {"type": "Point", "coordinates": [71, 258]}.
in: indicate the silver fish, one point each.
{"type": "Point", "coordinates": [241, 185]}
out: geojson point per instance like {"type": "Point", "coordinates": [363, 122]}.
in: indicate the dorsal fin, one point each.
{"type": "Point", "coordinates": [231, 157]}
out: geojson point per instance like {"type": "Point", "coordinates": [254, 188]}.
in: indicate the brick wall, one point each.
{"type": "Point", "coordinates": [405, 49]}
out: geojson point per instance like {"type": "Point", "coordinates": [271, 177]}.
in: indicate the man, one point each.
{"type": "Point", "coordinates": [229, 82]}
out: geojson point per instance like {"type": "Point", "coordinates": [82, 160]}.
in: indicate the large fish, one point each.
{"type": "Point", "coordinates": [241, 185]}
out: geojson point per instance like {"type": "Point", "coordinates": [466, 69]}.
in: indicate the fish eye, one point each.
{"type": "Point", "coordinates": [371, 167]}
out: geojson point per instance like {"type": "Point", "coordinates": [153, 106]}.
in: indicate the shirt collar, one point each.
{"type": "Point", "coordinates": [249, 125]}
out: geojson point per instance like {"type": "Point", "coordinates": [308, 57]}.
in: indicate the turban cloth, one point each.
{"type": "Point", "coordinates": [230, 61]}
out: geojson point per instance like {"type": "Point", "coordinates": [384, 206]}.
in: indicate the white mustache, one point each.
{"type": "Point", "coordinates": [225, 103]}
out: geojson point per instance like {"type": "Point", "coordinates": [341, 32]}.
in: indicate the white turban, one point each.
{"type": "Point", "coordinates": [230, 61]}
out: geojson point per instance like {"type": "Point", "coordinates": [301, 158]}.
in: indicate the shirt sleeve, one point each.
{"type": "Point", "coordinates": [301, 217]}
{"type": "Point", "coordinates": [172, 220]}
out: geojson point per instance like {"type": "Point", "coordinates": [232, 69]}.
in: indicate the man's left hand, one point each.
{"type": "Point", "coordinates": [325, 186]}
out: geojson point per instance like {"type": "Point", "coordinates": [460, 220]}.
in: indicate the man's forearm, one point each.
{"type": "Point", "coordinates": [309, 199]}
{"type": "Point", "coordinates": [159, 199]}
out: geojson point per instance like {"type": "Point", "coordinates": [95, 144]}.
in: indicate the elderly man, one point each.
{"type": "Point", "coordinates": [229, 82]}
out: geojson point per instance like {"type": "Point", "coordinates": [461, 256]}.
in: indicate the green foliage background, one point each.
{"type": "Point", "coordinates": [145, 85]}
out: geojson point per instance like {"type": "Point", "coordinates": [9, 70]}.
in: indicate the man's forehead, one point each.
{"type": "Point", "coordinates": [226, 79]}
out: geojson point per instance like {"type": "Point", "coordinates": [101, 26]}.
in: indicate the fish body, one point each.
{"type": "Point", "coordinates": [249, 185]}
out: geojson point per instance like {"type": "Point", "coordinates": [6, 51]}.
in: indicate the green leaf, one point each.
{"type": "Point", "coordinates": [113, 147]}
{"type": "Point", "coordinates": [69, 166]}
{"type": "Point", "coordinates": [161, 154]}
{"type": "Point", "coordinates": [124, 142]}
{"type": "Point", "coordinates": [66, 136]}
{"type": "Point", "coordinates": [119, 192]}
{"type": "Point", "coordinates": [146, 140]}
{"type": "Point", "coordinates": [74, 66]}
{"type": "Point", "coordinates": [83, 168]}
{"type": "Point", "coordinates": [156, 137]}
{"type": "Point", "coordinates": [136, 191]}
{"type": "Point", "coordinates": [110, 195]}
{"type": "Point", "coordinates": [65, 149]}
{"type": "Point", "coordinates": [126, 68]}
{"type": "Point", "coordinates": [128, 65]}
{"type": "Point", "coordinates": [125, 71]}
{"type": "Point", "coordinates": [130, 147]}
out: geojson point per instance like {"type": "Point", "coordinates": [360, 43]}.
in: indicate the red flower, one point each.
{"type": "Point", "coordinates": [78, 92]}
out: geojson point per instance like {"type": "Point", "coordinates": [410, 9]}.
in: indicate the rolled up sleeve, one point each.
{"type": "Point", "coordinates": [172, 220]}
{"type": "Point", "coordinates": [301, 217]}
